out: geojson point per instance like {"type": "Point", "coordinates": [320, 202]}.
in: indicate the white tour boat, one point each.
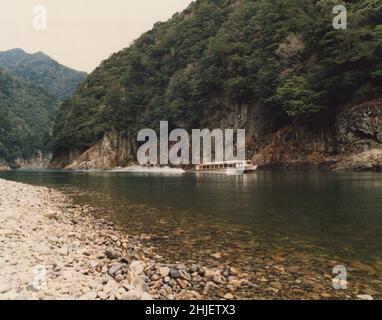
{"type": "Point", "coordinates": [227, 167]}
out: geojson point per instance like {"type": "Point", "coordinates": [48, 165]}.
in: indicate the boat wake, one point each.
{"type": "Point", "coordinates": [143, 169]}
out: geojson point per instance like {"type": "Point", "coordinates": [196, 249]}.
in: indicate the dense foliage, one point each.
{"type": "Point", "coordinates": [31, 88]}
{"type": "Point", "coordinates": [27, 113]}
{"type": "Point", "coordinates": [42, 71]}
{"type": "Point", "coordinates": [283, 55]}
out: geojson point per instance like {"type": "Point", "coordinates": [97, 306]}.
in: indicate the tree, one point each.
{"type": "Point", "coordinates": [296, 97]}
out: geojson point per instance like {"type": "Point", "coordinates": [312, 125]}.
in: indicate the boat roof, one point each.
{"type": "Point", "coordinates": [222, 162]}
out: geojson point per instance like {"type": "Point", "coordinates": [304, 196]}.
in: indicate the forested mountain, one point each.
{"type": "Point", "coordinates": [32, 87]}
{"type": "Point", "coordinates": [42, 71]}
{"type": "Point", "coordinates": [257, 64]}
{"type": "Point", "coordinates": [27, 112]}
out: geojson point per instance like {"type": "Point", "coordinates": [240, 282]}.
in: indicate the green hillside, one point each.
{"type": "Point", "coordinates": [283, 56]}
{"type": "Point", "coordinates": [42, 71]}
{"type": "Point", "coordinates": [27, 113]}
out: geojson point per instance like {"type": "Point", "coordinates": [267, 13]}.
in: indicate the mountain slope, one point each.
{"type": "Point", "coordinates": [27, 113]}
{"type": "Point", "coordinates": [42, 71]}
{"type": "Point", "coordinates": [257, 65]}
{"type": "Point", "coordinates": [129, 90]}
{"type": "Point", "coordinates": [32, 87]}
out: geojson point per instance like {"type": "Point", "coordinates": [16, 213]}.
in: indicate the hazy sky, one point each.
{"type": "Point", "coordinates": [80, 33]}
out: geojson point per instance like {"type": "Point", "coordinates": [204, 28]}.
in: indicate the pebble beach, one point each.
{"type": "Point", "coordinates": [52, 249]}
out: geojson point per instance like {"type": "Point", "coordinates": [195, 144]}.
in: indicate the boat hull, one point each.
{"type": "Point", "coordinates": [231, 171]}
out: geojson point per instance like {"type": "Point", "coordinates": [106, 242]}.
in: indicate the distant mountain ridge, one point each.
{"type": "Point", "coordinates": [43, 71]}
{"type": "Point", "coordinates": [32, 86]}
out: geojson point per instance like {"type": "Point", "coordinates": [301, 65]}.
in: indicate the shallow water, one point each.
{"type": "Point", "coordinates": [298, 222]}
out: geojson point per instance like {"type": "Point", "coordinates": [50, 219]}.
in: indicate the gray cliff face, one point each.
{"type": "Point", "coordinates": [256, 122]}
{"type": "Point", "coordinates": [360, 128]}
{"type": "Point", "coordinates": [351, 140]}
{"type": "Point", "coordinates": [112, 151]}
{"type": "Point", "coordinates": [38, 161]}
{"type": "Point", "coordinates": [3, 166]}
{"type": "Point", "coordinates": [116, 150]}
{"type": "Point", "coordinates": [32, 163]}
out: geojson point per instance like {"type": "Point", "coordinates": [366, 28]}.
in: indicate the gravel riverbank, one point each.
{"type": "Point", "coordinates": [53, 249]}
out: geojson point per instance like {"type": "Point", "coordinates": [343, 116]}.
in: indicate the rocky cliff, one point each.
{"type": "Point", "coordinates": [307, 95]}
{"type": "Point", "coordinates": [3, 167]}
{"type": "Point", "coordinates": [350, 140]}
{"type": "Point", "coordinates": [113, 150]}
{"type": "Point", "coordinates": [38, 161]}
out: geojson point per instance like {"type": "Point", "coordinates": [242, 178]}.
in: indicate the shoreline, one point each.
{"type": "Point", "coordinates": [53, 249]}
{"type": "Point", "coordinates": [264, 168]}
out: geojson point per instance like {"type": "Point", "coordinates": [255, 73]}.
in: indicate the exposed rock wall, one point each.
{"type": "Point", "coordinates": [112, 151]}
{"type": "Point", "coordinates": [256, 121]}
{"type": "Point", "coordinates": [3, 167]}
{"type": "Point", "coordinates": [39, 161]}
{"type": "Point", "coordinates": [32, 163]}
{"type": "Point", "coordinates": [351, 140]}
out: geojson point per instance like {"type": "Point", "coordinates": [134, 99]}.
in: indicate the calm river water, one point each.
{"type": "Point", "coordinates": [283, 227]}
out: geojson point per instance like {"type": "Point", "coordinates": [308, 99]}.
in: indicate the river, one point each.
{"type": "Point", "coordinates": [282, 227]}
